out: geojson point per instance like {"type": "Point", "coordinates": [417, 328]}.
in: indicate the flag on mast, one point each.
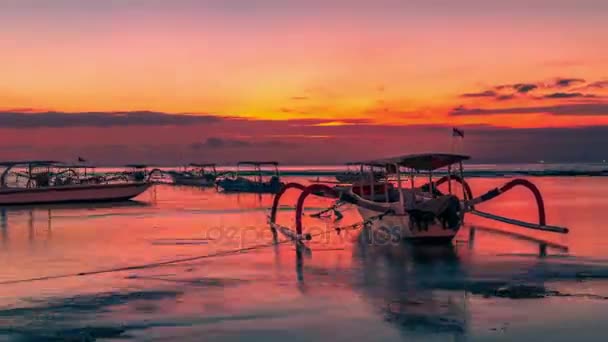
{"type": "Point", "coordinates": [457, 132]}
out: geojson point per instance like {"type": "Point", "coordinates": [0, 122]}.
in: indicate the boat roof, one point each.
{"type": "Point", "coordinates": [372, 163]}
{"type": "Point", "coordinates": [73, 166]}
{"type": "Point", "coordinates": [29, 162]}
{"type": "Point", "coordinates": [202, 165]}
{"type": "Point", "coordinates": [258, 163]}
{"type": "Point", "coordinates": [423, 161]}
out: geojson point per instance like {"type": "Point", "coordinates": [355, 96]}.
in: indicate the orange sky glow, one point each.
{"type": "Point", "coordinates": [402, 68]}
{"type": "Point", "coordinates": [379, 62]}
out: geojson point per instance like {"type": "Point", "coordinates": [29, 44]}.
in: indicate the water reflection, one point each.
{"type": "Point", "coordinates": [431, 292]}
{"type": "Point", "coordinates": [404, 285]}
{"type": "Point", "coordinates": [33, 214]}
{"type": "Point", "coordinates": [424, 290]}
{"type": "Point", "coordinates": [4, 226]}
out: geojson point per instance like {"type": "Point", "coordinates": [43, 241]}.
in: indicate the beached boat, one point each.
{"type": "Point", "coordinates": [357, 171]}
{"type": "Point", "coordinates": [418, 212]}
{"type": "Point", "coordinates": [254, 180]}
{"type": "Point", "coordinates": [203, 175]}
{"type": "Point", "coordinates": [37, 182]}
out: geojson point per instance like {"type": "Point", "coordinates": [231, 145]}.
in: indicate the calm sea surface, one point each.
{"type": "Point", "coordinates": [490, 284]}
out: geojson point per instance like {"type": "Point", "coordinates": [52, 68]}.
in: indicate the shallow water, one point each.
{"type": "Point", "coordinates": [490, 284]}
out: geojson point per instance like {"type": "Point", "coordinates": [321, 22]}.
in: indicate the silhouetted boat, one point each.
{"type": "Point", "coordinates": [238, 182]}
{"type": "Point", "coordinates": [195, 175]}
{"type": "Point", "coordinates": [357, 171]}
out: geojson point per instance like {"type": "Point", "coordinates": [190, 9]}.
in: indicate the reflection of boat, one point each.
{"type": "Point", "coordinates": [53, 182]}
{"type": "Point", "coordinates": [418, 290]}
{"type": "Point", "coordinates": [79, 205]}
{"type": "Point", "coordinates": [196, 175]}
{"type": "Point", "coordinates": [355, 172]}
{"type": "Point", "coordinates": [239, 182]}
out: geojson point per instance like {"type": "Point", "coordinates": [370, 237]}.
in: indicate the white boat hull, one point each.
{"type": "Point", "coordinates": [400, 227]}
{"type": "Point", "coordinates": [72, 193]}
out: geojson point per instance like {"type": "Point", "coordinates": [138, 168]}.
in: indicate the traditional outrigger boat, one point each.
{"type": "Point", "coordinates": [238, 182]}
{"type": "Point", "coordinates": [416, 212]}
{"type": "Point", "coordinates": [203, 175]}
{"type": "Point", "coordinates": [37, 182]}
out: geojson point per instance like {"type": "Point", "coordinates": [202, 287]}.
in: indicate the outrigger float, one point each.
{"type": "Point", "coordinates": [416, 213]}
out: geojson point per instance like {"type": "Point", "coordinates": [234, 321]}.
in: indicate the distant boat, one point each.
{"type": "Point", "coordinates": [357, 172]}
{"type": "Point", "coordinates": [53, 182]}
{"type": "Point", "coordinates": [256, 183]}
{"type": "Point", "coordinates": [196, 175]}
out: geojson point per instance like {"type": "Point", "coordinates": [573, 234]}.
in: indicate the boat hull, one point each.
{"type": "Point", "coordinates": [72, 193]}
{"type": "Point", "coordinates": [402, 228]}
{"type": "Point", "coordinates": [194, 181]}
{"type": "Point", "coordinates": [240, 185]}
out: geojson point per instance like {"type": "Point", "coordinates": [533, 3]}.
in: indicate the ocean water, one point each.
{"type": "Point", "coordinates": [476, 170]}
{"type": "Point", "coordinates": [109, 272]}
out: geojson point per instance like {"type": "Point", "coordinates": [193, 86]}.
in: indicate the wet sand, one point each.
{"type": "Point", "coordinates": [489, 285]}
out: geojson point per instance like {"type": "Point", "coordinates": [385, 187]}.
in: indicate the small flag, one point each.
{"type": "Point", "coordinates": [457, 132]}
{"type": "Point", "coordinates": [81, 160]}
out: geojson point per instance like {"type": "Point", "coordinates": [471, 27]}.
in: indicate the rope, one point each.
{"type": "Point", "coordinates": [188, 259]}
{"type": "Point", "coordinates": [333, 208]}
{"type": "Point", "coordinates": [144, 266]}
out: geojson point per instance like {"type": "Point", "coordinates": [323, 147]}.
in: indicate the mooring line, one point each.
{"type": "Point", "coordinates": [193, 258]}
{"type": "Point", "coordinates": [145, 266]}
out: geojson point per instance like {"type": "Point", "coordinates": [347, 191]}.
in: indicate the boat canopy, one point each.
{"type": "Point", "coordinates": [422, 162]}
{"type": "Point", "coordinates": [33, 163]}
{"type": "Point", "coordinates": [137, 166]}
{"type": "Point", "coordinates": [72, 166]}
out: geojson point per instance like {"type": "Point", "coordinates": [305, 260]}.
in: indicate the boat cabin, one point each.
{"type": "Point", "coordinates": [202, 169]}
{"type": "Point", "coordinates": [256, 169]}
{"type": "Point", "coordinates": [249, 177]}
{"type": "Point", "coordinates": [35, 173]}
{"type": "Point", "coordinates": [138, 173]}
{"type": "Point", "coordinates": [408, 168]}
{"type": "Point", "coordinates": [43, 173]}
{"type": "Point", "coordinates": [359, 171]}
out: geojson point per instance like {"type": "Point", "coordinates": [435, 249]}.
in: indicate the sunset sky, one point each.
{"type": "Point", "coordinates": [315, 81]}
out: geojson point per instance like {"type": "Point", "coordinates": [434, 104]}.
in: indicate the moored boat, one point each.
{"type": "Point", "coordinates": [418, 212]}
{"type": "Point", "coordinates": [355, 172]}
{"type": "Point", "coordinates": [421, 213]}
{"type": "Point", "coordinates": [255, 180]}
{"type": "Point", "coordinates": [38, 182]}
{"type": "Point", "coordinates": [203, 175]}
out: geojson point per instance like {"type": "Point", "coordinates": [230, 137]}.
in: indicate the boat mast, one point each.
{"type": "Point", "coordinates": [371, 182]}
{"type": "Point", "coordinates": [399, 186]}
{"type": "Point", "coordinates": [450, 179]}
{"type": "Point", "coordinates": [464, 193]}
{"type": "Point", "coordinates": [431, 184]}
{"type": "Point", "coordinates": [258, 167]}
